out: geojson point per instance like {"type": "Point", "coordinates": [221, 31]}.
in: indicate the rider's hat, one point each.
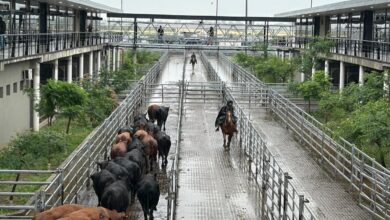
{"type": "Point", "coordinates": [230, 102]}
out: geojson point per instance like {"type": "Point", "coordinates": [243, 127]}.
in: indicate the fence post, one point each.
{"type": "Point", "coordinates": [361, 180]}
{"type": "Point", "coordinates": [280, 182]}
{"type": "Point", "coordinates": [300, 207]}
{"type": "Point", "coordinates": [264, 187]}
{"type": "Point", "coordinates": [61, 182]}
{"type": "Point", "coordinates": [387, 200]}
{"type": "Point", "coordinates": [285, 195]}
{"type": "Point", "coordinates": [40, 201]}
{"type": "Point", "coordinates": [352, 162]}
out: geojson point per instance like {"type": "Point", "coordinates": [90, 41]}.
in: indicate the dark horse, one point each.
{"type": "Point", "coordinates": [228, 128]}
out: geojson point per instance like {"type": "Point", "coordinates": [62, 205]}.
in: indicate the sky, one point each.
{"type": "Point", "coordinates": [208, 7]}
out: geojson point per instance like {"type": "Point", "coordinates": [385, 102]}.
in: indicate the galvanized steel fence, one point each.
{"type": "Point", "coordinates": [280, 199]}
{"type": "Point", "coordinates": [368, 179]}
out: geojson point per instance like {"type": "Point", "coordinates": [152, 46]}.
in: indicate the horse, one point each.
{"type": "Point", "coordinates": [228, 128]}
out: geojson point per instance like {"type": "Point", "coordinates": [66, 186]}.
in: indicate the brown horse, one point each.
{"type": "Point", "coordinates": [228, 128]}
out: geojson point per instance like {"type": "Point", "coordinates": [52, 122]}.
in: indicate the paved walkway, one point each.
{"type": "Point", "coordinates": [211, 182]}
{"type": "Point", "coordinates": [327, 194]}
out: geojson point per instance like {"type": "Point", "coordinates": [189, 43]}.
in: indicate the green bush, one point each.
{"type": "Point", "coordinates": [27, 149]}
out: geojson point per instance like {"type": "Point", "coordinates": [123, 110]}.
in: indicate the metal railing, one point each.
{"type": "Point", "coordinates": [367, 178]}
{"type": "Point", "coordinates": [280, 199]}
{"type": "Point", "coordinates": [71, 180]}
{"type": "Point", "coordinates": [20, 45]}
{"type": "Point", "coordinates": [174, 178]}
{"type": "Point", "coordinates": [373, 50]}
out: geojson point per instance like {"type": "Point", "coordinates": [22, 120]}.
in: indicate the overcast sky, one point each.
{"type": "Point", "coordinates": [208, 7]}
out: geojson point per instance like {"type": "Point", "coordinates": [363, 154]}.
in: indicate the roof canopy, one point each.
{"type": "Point", "coordinates": [87, 5]}
{"type": "Point", "coordinates": [338, 8]}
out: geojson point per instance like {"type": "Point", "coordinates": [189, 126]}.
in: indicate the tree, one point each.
{"type": "Point", "coordinates": [100, 102]}
{"type": "Point", "coordinates": [65, 97]}
{"type": "Point", "coordinates": [318, 48]}
{"type": "Point", "coordinates": [369, 128]}
{"type": "Point", "coordinates": [49, 100]}
{"type": "Point", "coordinates": [312, 89]}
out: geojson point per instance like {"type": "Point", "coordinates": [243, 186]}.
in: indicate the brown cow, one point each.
{"type": "Point", "coordinates": [125, 136]}
{"type": "Point", "coordinates": [97, 213]}
{"type": "Point", "coordinates": [57, 212]}
{"type": "Point", "coordinates": [119, 149]}
{"type": "Point", "coordinates": [152, 110]}
{"type": "Point", "coordinates": [150, 145]}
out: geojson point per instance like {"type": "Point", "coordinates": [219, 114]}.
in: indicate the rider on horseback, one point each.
{"type": "Point", "coordinates": [193, 61]}
{"type": "Point", "coordinates": [222, 113]}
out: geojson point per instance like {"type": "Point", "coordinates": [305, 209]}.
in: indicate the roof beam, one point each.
{"type": "Point", "coordinates": [199, 17]}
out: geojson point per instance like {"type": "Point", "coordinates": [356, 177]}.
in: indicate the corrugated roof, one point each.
{"type": "Point", "coordinates": [338, 8]}
{"type": "Point", "coordinates": [87, 5]}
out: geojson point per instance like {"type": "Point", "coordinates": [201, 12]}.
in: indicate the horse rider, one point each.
{"type": "Point", "coordinates": [193, 61]}
{"type": "Point", "coordinates": [222, 113]}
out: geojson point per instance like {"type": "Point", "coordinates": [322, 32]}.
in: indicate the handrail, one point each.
{"type": "Point", "coordinates": [173, 183]}
{"type": "Point", "coordinates": [21, 45]}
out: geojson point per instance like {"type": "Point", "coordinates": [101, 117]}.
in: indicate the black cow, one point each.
{"type": "Point", "coordinates": [115, 196]}
{"type": "Point", "coordinates": [164, 145]}
{"type": "Point", "coordinates": [117, 170]}
{"type": "Point", "coordinates": [134, 173]}
{"type": "Point", "coordinates": [136, 143]}
{"type": "Point", "coordinates": [140, 122]}
{"type": "Point", "coordinates": [148, 194]}
{"type": "Point", "coordinates": [152, 129]}
{"type": "Point", "coordinates": [101, 180]}
{"type": "Point", "coordinates": [140, 158]}
{"type": "Point", "coordinates": [162, 115]}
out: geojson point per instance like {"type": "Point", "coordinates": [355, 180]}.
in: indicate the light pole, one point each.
{"type": "Point", "coordinates": [216, 20]}
{"type": "Point", "coordinates": [246, 23]}
{"type": "Point", "coordinates": [311, 3]}
{"type": "Point", "coordinates": [121, 16]}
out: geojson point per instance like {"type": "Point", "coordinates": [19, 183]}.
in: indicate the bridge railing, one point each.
{"type": "Point", "coordinates": [20, 45]}
{"type": "Point", "coordinates": [368, 179]}
{"type": "Point", "coordinates": [279, 198]}
{"type": "Point", "coordinates": [71, 179]}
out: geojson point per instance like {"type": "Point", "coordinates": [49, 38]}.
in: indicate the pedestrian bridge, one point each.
{"type": "Point", "coordinates": [282, 164]}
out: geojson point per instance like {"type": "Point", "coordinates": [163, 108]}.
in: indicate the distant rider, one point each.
{"type": "Point", "coordinates": [193, 61]}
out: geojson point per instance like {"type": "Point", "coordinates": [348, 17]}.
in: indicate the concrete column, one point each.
{"type": "Point", "coordinates": [37, 96]}
{"type": "Point", "coordinates": [283, 55]}
{"type": "Point", "coordinates": [118, 58]}
{"type": "Point", "coordinates": [361, 75]}
{"type": "Point", "coordinates": [69, 70]}
{"type": "Point", "coordinates": [81, 67]}
{"type": "Point", "coordinates": [99, 53]}
{"type": "Point", "coordinates": [326, 67]}
{"type": "Point", "coordinates": [113, 59]}
{"type": "Point", "coordinates": [302, 77]}
{"type": "Point", "coordinates": [386, 81]}
{"type": "Point", "coordinates": [55, 70]}
{"type": "Point", "coordinates": [91, 65]}
{"type": "Point", "coordinates": [313, 71]}
{"type": "Point", "coordinates": [342, 76]}
{"type": "Point", "coordinates": [290, 55]}
{"type": "Point", "coordinates": [108, 61]}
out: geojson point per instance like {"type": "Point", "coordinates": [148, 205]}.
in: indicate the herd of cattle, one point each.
{"type": "Point", "coordinates": [127, 173]}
